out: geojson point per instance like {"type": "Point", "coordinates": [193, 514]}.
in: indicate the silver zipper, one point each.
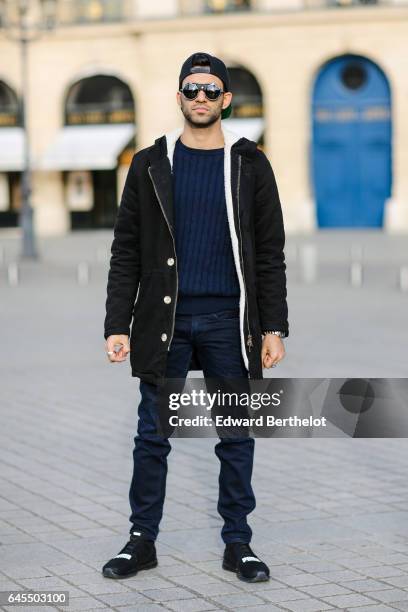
{"type": "Point", "coordinates": [249, 336]}
{"type": "Point", "coordinates": [175, 257]}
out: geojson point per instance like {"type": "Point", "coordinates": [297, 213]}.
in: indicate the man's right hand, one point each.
{"type": "Point", "coordinates": [121, 344]}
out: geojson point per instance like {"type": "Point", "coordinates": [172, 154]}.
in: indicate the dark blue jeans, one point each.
{"type": "Point", "coordinates": [216, 338]}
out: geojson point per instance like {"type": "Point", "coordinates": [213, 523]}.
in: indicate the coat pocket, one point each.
{"type": "Point", "coordinates": [152, 321]}
{"type": "Point", "coordinates": [149, 309]}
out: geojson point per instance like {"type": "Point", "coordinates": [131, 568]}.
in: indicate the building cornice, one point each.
{"type": "Point", "coordinates": [240, 21]}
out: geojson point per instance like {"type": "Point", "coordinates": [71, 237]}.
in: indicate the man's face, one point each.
{"type": "Point", "coordinates": [203, 112]}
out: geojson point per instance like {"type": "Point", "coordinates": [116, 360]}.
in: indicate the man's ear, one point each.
{"type": "Point", "coordinates": [228, 97]}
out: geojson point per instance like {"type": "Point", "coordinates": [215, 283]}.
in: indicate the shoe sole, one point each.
{"type": "Point", "coordinates": [260, 576]}
{"type": "Point", "coordinates": [110, 573]}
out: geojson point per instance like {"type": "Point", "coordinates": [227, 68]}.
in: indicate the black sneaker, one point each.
{"type": "Point", "coordinates": [239, 558]}
{"type": "Point", "coordinates": [139, 553]}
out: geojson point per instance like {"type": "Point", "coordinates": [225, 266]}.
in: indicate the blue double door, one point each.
{"type": "Point", "coordinates": [351, 143]}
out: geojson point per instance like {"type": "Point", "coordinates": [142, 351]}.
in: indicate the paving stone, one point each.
{"type": "Point", "coordinates": [322, 590]}
{"type": "Point", "coordinates": [384, 571]}
{"type": "Point", "coordinates": [277, 571]}
{"type": "Point", "coordinates": [67, 569]}
{"type": "Point", "coordinates": [301, 580]}
{"type": "Point", "coordinates": [264, 608]}
{"type": "Point", "coordinates": [280, 595]}
{"type": "Point", "coordinates": [400, 605]}
{"type": "Point", "coordinates": [390, 595]}
{"type": "Point", "coordinates": [122, 599]}
{"type": "Point", "coordinates": [255, 586]}
{"type": "Point", "coordinates": [84, 603]}
{"type": "Point", "coordinates": [307, 605]}
{"type": "Point", "coordinates": [190, 605]}
{"type": "Point", "coordinates": [340, 576]}
{"type": "Point", "coordinates": [168, 594]}
{"type": "Point", "coordinates": [52, 583]}
{"type": "Point", "coordinates": [365, 586]}
{"type": "Point", "coordinates": [193, 580]}
{"type": "Point", "coordinates": [142, 608]}
{"type": "Point", "coordinates": [85, 577]}
{"type": "Point", "coordinates": [398, 581]}
{"type": "Point", "coordinates": [143, 582]}
{"type": "Point", "coordinates": [374, 608]}
{"type": "Point", "coordinates": [212, 588]}
{"type": "Point", "coordinates": [348, 601]}
{"type": "Point", "coordinates": [108, 586]}
{"type": "Point", "coordinates": [31, 608]}
{"type": "Point", "coordinates": [181, 569]}
{"type": "Point", "coordinates": [238, 600]}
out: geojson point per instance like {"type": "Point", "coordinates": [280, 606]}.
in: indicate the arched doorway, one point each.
{"type": "Point", "coordinates": [351, 143]}
{"type": "Point", "coordinates": [94, 149]}
{"type": "Point", "coordinates": [11, 156]}
{"type": "Point", "coordinates": [103, 100]}
{"type": "Point", "coordinates": [247, 106]}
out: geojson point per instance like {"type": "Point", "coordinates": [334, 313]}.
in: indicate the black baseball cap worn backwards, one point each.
{"type": "Point", "coordinates": [216, 67]}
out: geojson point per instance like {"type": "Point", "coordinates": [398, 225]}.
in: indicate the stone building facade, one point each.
{"type": "Point", "coordinates": [322, 86]}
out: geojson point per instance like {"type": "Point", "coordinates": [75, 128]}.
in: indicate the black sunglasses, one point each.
{"type": "Point", "coordinates": [211, 90]}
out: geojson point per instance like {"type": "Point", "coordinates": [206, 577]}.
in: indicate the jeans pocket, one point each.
{"type": "Point", "coordinates": [226, 314]}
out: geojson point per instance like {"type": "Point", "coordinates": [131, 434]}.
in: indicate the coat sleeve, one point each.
{"type": "Point", "coordinates": [124, 271]}
{"type": "Point", "coordinates": [269, 245]}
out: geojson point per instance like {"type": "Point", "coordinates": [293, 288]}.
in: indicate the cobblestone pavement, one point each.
{"type": "Point", "coordinates": [331, 515]}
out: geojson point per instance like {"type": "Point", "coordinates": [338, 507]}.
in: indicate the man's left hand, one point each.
{"type": "Point", "coordinates": [273, 350]}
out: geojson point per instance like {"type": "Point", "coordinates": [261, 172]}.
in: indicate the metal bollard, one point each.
{"type": "Point", "coordinates": [83, 273]}
{"type": "Point", "coordinates": [403, 278]}
{"type": "Point", "coordinates": [356, 274]}
{"type": "Point", "coordinates": [291, 252]}
{"type": "Point", "coordinates": [356, 252]}
{"type": "Point", "coordinates": [13, 274]}
{"type": "Point", "coordinates": [296, 253]}
{"type": "Point", "coordinates": [308, 263]}
{"type": "Point", "coordinates": [101, 254]}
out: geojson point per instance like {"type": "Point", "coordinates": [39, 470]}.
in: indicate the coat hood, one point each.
{"type": "Point", "coordinates": [240, 144]}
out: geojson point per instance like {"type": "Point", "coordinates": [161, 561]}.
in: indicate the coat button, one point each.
{"type": "Point", "coordinates": [164, 337]}
{"type": "Point", "coordinates": [167, 299]}
{"type": "Point", "coordinates": [170, 261]}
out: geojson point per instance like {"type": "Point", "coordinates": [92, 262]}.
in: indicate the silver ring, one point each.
{"type": "Point", "coordinates": [274, 365]}
{"type": "Point", "coordinates": [110, 352]}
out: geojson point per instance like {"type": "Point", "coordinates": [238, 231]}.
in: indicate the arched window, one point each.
{"type": "Point", "coordinates": [10, 112]}
{"type": "Point", "coordinates": [99, 99]}
{"type": "Point", "coordinates": [247, 111]}
{"type": "Point", "coordinates": [224, 6]}
{"type": "Point", "coordinates": [97, 10]}
{"type": "Point", "coordinates": [247, 94]}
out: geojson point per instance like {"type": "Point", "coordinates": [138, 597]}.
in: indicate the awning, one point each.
{"type": "Point", "coordinates": [87, 147]}
{"type": "Point", "coordinates": [11, 149]}
{"type": "Point", "coordinates": [251, 128]}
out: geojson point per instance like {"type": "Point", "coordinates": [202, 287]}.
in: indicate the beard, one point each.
{"type": "Point", "coordinates": [201, 121]}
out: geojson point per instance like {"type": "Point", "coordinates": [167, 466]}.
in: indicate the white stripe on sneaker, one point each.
{"type": "Point", "coordinates": [244, 559]}
{"type": "Point", "coordinates": [136, 533]}
{"type": "Point", "coordinates": [123, 556]}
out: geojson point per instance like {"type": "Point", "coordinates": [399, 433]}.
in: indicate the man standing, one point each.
{"type": "Point", "coordinates": [198, 243]}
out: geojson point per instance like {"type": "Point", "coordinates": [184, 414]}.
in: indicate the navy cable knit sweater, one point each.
{"type": "Point", "coordinates": [207, 276]}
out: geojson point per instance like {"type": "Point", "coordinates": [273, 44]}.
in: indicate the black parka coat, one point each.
{"type": "Point", "coordinates": [143, 276]}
